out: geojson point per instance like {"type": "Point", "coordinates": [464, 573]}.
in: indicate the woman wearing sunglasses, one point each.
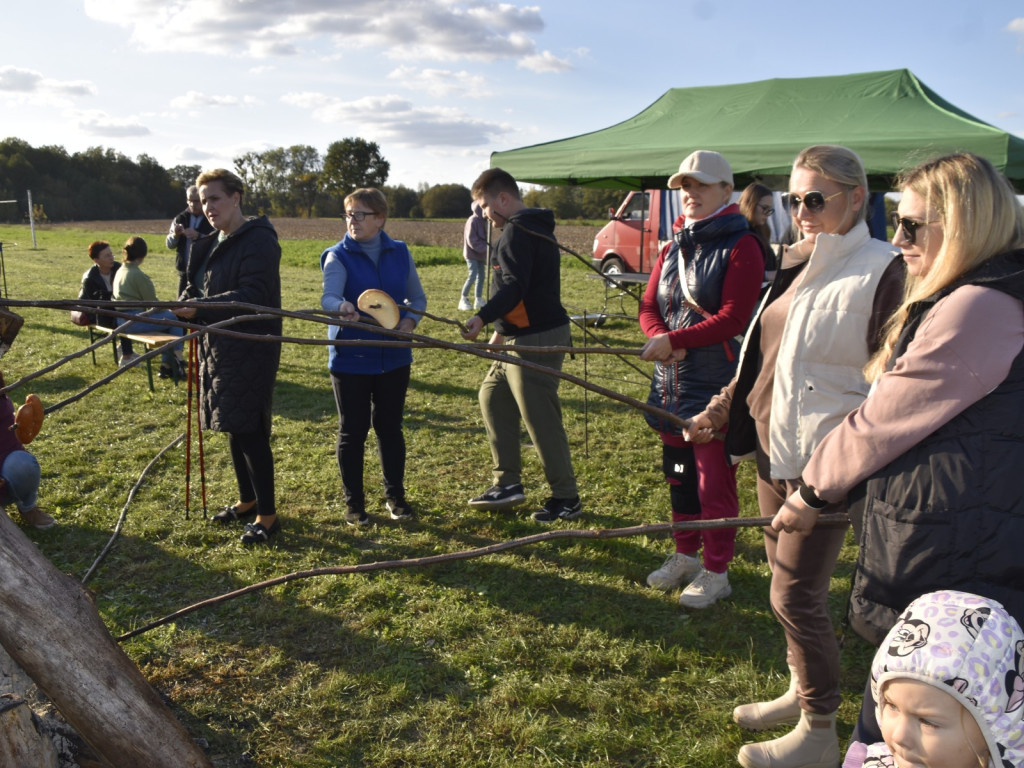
{"type": "Point", "coordinates": [800, 373]}
{"type": "Point", "coordinates": [932, 459]}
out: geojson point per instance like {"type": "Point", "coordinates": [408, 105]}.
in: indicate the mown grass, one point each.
{"type": "Point", "coordinates": [551, 655]}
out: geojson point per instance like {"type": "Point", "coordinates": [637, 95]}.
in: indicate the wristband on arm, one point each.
{"type": "Point", "coordinates": [811, 499]}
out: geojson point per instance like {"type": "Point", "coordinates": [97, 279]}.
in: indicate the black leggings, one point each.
{"type": "Point", "coordinates": [254, 468]}
{"type": "Point", "coordinates": [366, 400]}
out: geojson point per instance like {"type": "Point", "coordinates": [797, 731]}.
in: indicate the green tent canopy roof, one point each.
{"type": "Point", "coordinates": [891, 119]}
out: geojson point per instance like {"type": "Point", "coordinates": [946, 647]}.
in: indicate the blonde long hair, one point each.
{"type": "Point", "coordinates": [980, 218]}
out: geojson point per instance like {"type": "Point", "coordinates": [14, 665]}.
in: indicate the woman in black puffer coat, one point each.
{"type": "Point", "coordinates": [238, 262]}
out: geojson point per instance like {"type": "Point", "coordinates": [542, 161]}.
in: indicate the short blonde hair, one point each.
{"type": "Point", "coordinates": [230, 181]}
{"type": "Point", "coordinates": [839, 164]}
{"type": "Point", "coordinates": [980, 218]}
{"type": "Point", "coordinates": [372, 198]}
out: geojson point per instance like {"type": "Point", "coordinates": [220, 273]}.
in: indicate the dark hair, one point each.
{"type": "Point", "coordinates": [749, 199]}
{"type": "Point", "coordinates": [494, 181]}
{"type": "Point", "coordinates": [96, 248]}
{"type": "Point", "coordinates": [135, 248]}
{"type": "Point", "coordinates": [230, 181]}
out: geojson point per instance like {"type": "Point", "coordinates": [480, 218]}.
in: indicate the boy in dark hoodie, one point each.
{"type": "Point", "coordinates": [526, 309]}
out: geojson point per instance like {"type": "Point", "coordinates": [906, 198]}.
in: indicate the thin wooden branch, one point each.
{"type": "Point", "coordinates": [490, 549]}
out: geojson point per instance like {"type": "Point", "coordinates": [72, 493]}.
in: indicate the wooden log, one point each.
{"type": "Point", "coordinates": [20, 743]}
{"type": "Point", "coordinates": [52, 629]}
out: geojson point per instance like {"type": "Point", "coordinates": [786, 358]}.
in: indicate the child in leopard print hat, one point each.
{"type": "Point", "coordinates": [949, 682]}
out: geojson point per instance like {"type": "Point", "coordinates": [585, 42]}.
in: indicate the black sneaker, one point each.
{"type": "Point", "coordinates": [165, 372]}
{"type": "Point", "coordinates": [499, 497]}
{"type": "Point", "coordinates": [558, 509]}
{"type": "Point", "coordinates": [399, 509]}
{"type": "Point", "coordinates": [357, 516]}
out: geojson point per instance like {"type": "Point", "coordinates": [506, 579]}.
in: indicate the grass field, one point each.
{"type": "Point", "coordinates": [555, 654]}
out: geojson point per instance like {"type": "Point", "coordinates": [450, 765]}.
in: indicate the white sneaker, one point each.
{"type": "Point", "coordinates": [676, 569]}
{"type": "Point", "coordinates": [464, 305]}
{"type": "Point", "coordinates": [129, 359]}
{"type": "Point", "coordinates": [478, 303]}
{"type": "Point", "coordinates": [706, 589]}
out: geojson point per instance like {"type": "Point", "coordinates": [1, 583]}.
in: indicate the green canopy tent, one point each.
{"type": "Point", "coordinates": [891, 119]}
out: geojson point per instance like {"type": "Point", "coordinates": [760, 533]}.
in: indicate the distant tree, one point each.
{"type": "Point", "coordinates": [252, 170]}
{"type": "Point", "coordinates": [401, 201]}
{"type": "Point", "coordinates": [305, 172]}
{"type": "Point", "coordinates": [352, 163]}
{"type": "Point", "coordinates": [446, 201]}
{"type": "Point", "coordinates": [184, 175]}
{"type": "Point", "coordinates": [596, 201]}
{"type": "Point", "coordinates": [575, 202]}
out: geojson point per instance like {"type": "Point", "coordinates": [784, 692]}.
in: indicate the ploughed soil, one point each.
{"type": "Point", "coordinates": [447, 234]}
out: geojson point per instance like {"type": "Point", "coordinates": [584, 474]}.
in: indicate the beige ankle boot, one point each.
{"type": "Point", "coordinates": [762, 715]}
{"type": "Point", "coordinates": [812, 744]}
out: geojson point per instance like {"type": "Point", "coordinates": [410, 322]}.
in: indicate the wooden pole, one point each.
{"type": "Point", "coordinates": [52, 630]}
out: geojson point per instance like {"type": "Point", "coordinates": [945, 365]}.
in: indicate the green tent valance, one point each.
{"type": "Point", "coordinates": [891, 119]}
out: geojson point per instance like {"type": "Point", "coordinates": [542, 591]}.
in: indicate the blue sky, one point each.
{"type": "Point", "coordinates": [440, 84]}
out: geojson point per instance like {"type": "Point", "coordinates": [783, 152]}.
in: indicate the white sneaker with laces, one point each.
{"type": "Point", "coordinates": [706, 589]}
{"type": "Point", "coordinates": [464, 305]}
{"type": "Point", "coordinates": [676, 569]}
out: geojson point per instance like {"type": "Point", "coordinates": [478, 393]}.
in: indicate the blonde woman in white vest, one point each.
{"type": "Point", "coordinates": [800, 373]}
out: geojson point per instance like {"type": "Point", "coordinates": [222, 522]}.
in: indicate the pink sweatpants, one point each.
{"type": "Point", "coordinates": [716, 488]}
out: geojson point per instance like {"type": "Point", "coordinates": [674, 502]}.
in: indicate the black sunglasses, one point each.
{"type": "Point", "coordinates": [909, 226]}
{"type": "Point", "coordinates": [813, 201]}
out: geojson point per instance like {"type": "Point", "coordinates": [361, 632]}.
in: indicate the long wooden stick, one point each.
{"type": "Point", "coordinates": [473, 349]}
{"type": "Point", "coordinates": [836, 519]}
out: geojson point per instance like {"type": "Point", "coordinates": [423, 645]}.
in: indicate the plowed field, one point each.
{"type": "Point", "coordinates": [446, 234]}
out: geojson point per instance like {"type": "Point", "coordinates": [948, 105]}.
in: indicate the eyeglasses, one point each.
{"type": "Point", "coordinates": [766, 210]}
{"type": "Point", "coordinates": [909, 226]}
{"type": "Point", "coordinates": [813, 201]}
{"type": "Point", "coordinates": [358, 215]}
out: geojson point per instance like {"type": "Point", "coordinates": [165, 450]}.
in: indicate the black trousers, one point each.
{"type": "Point", "coordinates": [254, 468]}
{"type": "Point", "coordinates": [366, 400]}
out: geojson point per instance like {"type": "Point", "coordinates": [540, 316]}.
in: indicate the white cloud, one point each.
{"type": "Point", "coordinates": [396, 119]}
{"type": "Point", "coordinates": [97, 123]}
{"type": "Point", "coordinates": [445, 30]}
{"type": "Point", "coordinates": [197, 100]}
{"type": "Point", "coordinates": [1017, 27]}
{"type": "Point", "coordinates": [29, 81]}
{"type": "Point", "coordinates": [544, 62]}
{"type": "Point", "coordinates": [441, 82]}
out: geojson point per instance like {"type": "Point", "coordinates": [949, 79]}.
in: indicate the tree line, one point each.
{"type": "Point", "coordinates": [296, 181]}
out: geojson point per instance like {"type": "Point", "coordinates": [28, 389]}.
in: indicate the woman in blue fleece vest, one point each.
{"type": "Point", "coordinates": [370, 382]}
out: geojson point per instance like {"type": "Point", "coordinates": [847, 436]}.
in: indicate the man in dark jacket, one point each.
{"type": "Point", "coordinates": [185, 228]}
{"type": "Point", "coordinates": [526, 309]}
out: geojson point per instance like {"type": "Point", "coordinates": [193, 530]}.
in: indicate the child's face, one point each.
{"type": "Point", "coordinates": [926, 728]}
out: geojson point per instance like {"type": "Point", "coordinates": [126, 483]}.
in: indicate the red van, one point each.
{"type": "Point", "coordinates": [631, 241]}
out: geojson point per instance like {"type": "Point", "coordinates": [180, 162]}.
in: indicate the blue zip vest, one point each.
{"type": "Point", "coordinates": [391, 275]}
{"type": "Point", "coordinates": [684, 388]}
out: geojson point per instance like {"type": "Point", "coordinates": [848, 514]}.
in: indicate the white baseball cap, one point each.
{"type": "Point", "coordinates": [705, 166]}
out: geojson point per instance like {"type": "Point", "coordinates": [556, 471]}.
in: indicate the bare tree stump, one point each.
{"type": "Point", "coordinates": [20, 742]}
{"type": "Point", "coordinates": [51, 629]}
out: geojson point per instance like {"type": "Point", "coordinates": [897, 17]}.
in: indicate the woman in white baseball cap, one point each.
{"type": "Point", "coordinates": [701, 294]}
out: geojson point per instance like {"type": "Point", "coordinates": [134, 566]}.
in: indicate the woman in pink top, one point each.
{"type": "Point", "coordinates": [931, 460]}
